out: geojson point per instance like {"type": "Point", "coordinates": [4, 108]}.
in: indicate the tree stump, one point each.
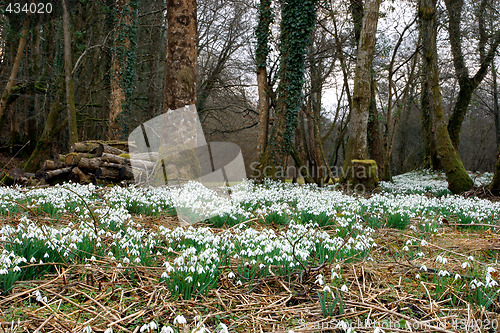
{"type": "Point", "coordinates": [364, 174]}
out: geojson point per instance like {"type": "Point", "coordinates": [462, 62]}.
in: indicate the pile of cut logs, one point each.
{"type": "Point", "coordinates": [96, 161]}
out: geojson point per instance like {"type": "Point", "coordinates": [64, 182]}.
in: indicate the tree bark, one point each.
{"type": "Point", "coordinates": [261, 53]}
{"type": "Point", "coordinates": [357, 144]}
{"type": "Point", "coordinates": [467, 84]}
{"type": "Point", "coordinates": [180, 65]}
{"type": "Point", "coordinates": [458, 180]}
{"type": "Point", "coordinates": [53, 125]}
{"type": "Point", "coordinates": [15, 67]}
{"type": "Point", "coordinates": [68, 67]}
{"type": "Point", "coordinates": [122, 68]}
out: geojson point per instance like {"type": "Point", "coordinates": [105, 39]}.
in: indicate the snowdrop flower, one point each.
{"type": "Point", "coordinates": [344, 288]}
{"type": "Point", "coordinates": [223, 328]}
{"type": "Point", "coordinates": [166, 329]}
{"type": "Point", "coordinates": [457, 276]}
{"type": "Point", "coordinates": [423, 268]}
{"type": "Point", "coordinates": [164, 275]}
{"type": "Point", "coordinates": [327, 289]}
{"type": "Point", "coordinates": [189, 279]}
{"type": "Point", "coordinates": [87, 329]}
{"type": "Point", "coordinates": [180, 320]}
{"type": "Point", "coordinates": [152, 325]}
{"type": "Point", "coordinates": [424, 242]}
{"type": "Point", "coordinates": [441, 260]}
{"type": "Point", "coordinates": [406, 248]}
{"type": "Point", "coordinates": [443, 273]}
{"type": "Point", "coordinates": [109, 330]}
{"type": "Point", "coordinates": [490, 270]}
{"type": "Point", "coordinates": [465, 264]}
{"type": "Point", "coordinates": [319, 279]}
{"type": "Point", "coordinates": [471, 258]}
{"type": "Point", "coordinates": [126, 260]}
{"type": "Point", "coordinates": [239, 283]}
{"type": "Point", "coordinates": [417, 276]}
{"type": "Point", "coordinates": [144, 328]}
{"type": "Point", "coordinates": [335, 275]}
{"type": "Point", "coordinates": [231, 275]}
{"type": "Point", "coordinates": [378, 330]}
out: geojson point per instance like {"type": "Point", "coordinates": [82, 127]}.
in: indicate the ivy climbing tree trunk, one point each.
{"type": "Point", "coordinates": [15, 68]}
{"type": "Point", "coordinates": [261, 53]}
{"type": "Point", "coordinates": [122, 68]}
{"type": "Point", "coordinates": [68, 64]}
{"type": "Point", "coordinates": [298, 18]}
{"type": "Point", "coordinates": [458, 180]}
{"type": "Point", "coordinates": [467, 83]}
{"type": "Point", "coordinates": [357, 144]}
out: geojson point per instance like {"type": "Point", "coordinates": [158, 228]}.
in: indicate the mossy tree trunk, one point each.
{"type": "Point", "coordinates": [458, 180]}
{"type": "Point", "coordinates": [495, 183]}
{"type": "Point", "coordinates": [357, 145]}
{"type": "Point", "coordinates": [53, 125]}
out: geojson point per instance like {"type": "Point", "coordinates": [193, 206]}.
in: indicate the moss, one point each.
{"type": "Point", "coordinates": [363, 173]}
{"type": "Point", "coordinates": [125, 155]}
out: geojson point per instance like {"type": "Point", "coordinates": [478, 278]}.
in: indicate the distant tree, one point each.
{"type": "Point", "coordinates": [458, 180]}
{"type": "Point", "coordinates": [467, 83]}
{"type": "Point", "coordinates": [68, 75]}
{"type": "Point", "coordinates": [15, 67]}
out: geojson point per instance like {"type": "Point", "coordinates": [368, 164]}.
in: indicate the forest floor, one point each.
{"type": "Point", "coordinates": [274, 258]}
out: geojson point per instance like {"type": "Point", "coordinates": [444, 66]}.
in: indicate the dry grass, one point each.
{"type": "Point", "coordinates": [384, 290]}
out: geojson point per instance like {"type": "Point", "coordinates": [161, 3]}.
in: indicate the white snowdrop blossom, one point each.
{"type": "Point", "coordinates": [180, 320]}
{"type": "Point", "coordinates": [344, 288]}
{"type": "Point", "coordinates": [167, 329]}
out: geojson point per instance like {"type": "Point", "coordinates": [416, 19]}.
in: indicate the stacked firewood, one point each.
{"type": "Point", "coordinates": [97, 161]}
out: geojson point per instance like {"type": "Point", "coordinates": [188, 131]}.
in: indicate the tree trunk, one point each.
{"type": "Point", "coordinates": [261, 53]}
{"type": "Point", "coordinates": [495, 183]}
{"type": "Point", "coordinates": [68, 67]}
{"type": "Point", "coordinates": [53, 125]}
{"type": "Point", "coordinates": [180, 65]}
{"type": "Point", "coordinates": [467, 84]}
{"type": "Point", "coordinates": [297, 23]}
{"type": "Point", "coordinates": [458, 180]}
{"type": "Point", "coordinates": [431, 159]}
{"type": "Point", "coordinates": [375, 145]}
{"type": "Point", "coordinates": [122, 69]}
{"type": "Point", "coordinates": [496, 106]}
{"type": "Point", "coordinates": [15, 67]}
{"type": "Point", "coordinates": [357, 144]}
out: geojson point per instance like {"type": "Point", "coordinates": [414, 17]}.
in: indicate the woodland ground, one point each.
{"type": "Point", "coordinates": [274, 258]}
